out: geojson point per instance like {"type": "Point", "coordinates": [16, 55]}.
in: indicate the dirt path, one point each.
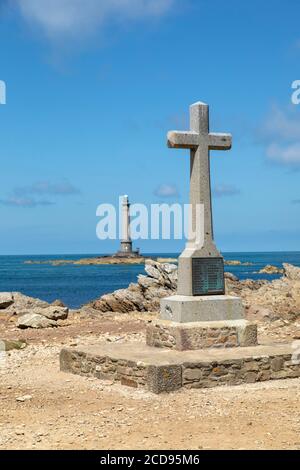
{"type": "Point", "coordinates": [71, 412]}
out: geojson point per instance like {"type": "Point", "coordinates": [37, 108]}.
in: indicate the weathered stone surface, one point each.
{"type": "Point", "coordinates": [166, 378]}
{"type": "Point", "coordinates": [269, 269]}
{"type": "Point", "coordinates": [291, 272]}
{"type": "Point", "coordinates": [58, 303]}
{"type": "Point", "coordinates": [33, 320]}
{"type": "Point", "coordinates": [146, 294]}
{"type": "Point", "coordinates": [183, 309]}
{"type": "Point", "coordinates": [257, 312]}
{"type": "Point", "coordinates": [9, 345]}
{"type": "Point", "coordinates": [6, 299]}
{"type": "Point", "coordinates": [23, 304]}
{"type": "Point", "coordinates": [52, 312]}
{"type": "Point", "coordinates": [138, 365]}
{"type": "Point", "coordinates": [264, 300]}
{"type": "Point", "coordinates": [247, 335]}
{"type": "Point", "coordinates": [200, 335]}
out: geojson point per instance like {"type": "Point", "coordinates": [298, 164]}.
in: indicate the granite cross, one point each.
{"type": "Point", "coordinates": [200, 141]}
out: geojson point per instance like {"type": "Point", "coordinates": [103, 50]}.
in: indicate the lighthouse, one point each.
{"type": "Point", "coordinates": [126, 242]}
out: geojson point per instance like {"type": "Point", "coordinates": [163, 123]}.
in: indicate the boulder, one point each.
{"type": "Point", "coordinates": [269, 269]}
{"type": "Point", "coordinates": [264, 300]}
{"type": "Point", "coordinates": [58, 303]}
{"type": "Point", "coordinates": [6, 299]}
{"type": "Point", "coordinates": [8, 345]}
{"type": "Point", "coordinates": [260, 313]}
{"type": "Point", "coordinates": [231, 277]}
{"type": "Point", "coordinates": [291, 272]}
{"type": "Point", "coordinates": [33, 320]}
{"type": "Point", "coordinates": [52, 312]}
{"type": "Point", "coordinates": [23, 304]}
{"type": "Point", "coordinates": [161, 281]}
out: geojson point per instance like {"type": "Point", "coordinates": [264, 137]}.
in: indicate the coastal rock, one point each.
{"type": "Point", "coordinates": [160, 282]}
{"type": "Point", "coordinates": [259, 313]}
{"type": "Point", "coordinates": [269, 269]}
{"type": "Point", "coordinates": [52, 312]}
{"type": "Point", "coordinates": [33, 320]}
{"type": "Point", "coordinates": [231, 277]}
{"type": "Point", "coordinates": [263, 300]}
{"type": "Point", "coordinates": [291, 272]}
{"type": "Point", "coordinates": [23, 304]}
{"type": "Point", "coordinates": [6, 299]}
{"type": "Point", "coordinates": [58, 303]}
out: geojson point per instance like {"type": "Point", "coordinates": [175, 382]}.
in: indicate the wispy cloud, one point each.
{"type": "Point", "coordinates": [288, 155]}
{"type": "Point", "coordinates": [280, 133]}
{"type": "Point", "coordinates": [36, 194]}
{"type": "Point", "coordinates": [24, 202]}
{"type": "Point", "coordinates": [73, 18]}
{"type": "Point", "coordinates": [281, 124]}
{"type": "Point", "coordinates": [296, 201]}
{"type": "Point", "coordinates": [223, 190]}
{"type": "Point", "coordinates": [63, 188]}
{"type": "Point", "coordinates": [166, 191]}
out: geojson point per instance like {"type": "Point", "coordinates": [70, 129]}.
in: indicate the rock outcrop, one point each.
{"type": "Point", "coordinates": [269, 269]}
{"type": "Point", "coordinates": [161, 281]}
{"type": "Point", "coordinates": [34, 320]}
{"type": "Point", "coordinates": [6, 299]}
{"type": "Point", "coordinates": [264, 300]}
{"type": "Point", "coordinates": [32, 313]}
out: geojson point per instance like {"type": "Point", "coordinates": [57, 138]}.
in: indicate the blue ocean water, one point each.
{"type": "Point", "coordinates": [76, 285]}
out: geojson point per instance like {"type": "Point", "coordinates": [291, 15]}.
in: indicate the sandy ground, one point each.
{"type": "Point", "coordinates": [65, 411]}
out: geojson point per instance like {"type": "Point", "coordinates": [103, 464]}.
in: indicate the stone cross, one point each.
{"type": "Point", "coordinates": [200, 141]}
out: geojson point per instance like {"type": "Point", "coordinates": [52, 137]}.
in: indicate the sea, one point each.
{"type": "Point", "coordinates": [76, 285]}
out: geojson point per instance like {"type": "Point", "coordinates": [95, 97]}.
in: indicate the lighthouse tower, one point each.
{"type": "Point", "coordinates": [126, 242]}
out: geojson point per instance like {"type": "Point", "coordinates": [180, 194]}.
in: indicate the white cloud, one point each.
{"type": "Point", "coordinates": [29, 202]}
{"type": "Point", "coordinates": [288, 155]}
{"type": "Point", "coordinates": [222, 190]}
{"type": "Point", "coordinates": [59, 18]}
{"type": "Point", "coordinates": [283, 124]}
{"type": "Point", "coordinates": [29, 196]}
{"type": "Point", "coordinates": [63, 188]}
{"type": "Point", "coordinates": [166, 190]}
{"type": "Point", "coordinates": [280, 133]}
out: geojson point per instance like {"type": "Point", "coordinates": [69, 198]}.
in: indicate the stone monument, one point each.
{"type": "Point", "coordinates": [201, 338]}
{"type": "Point", "coordinates": [126, 250]}
{"type": "Point", "coordinates": [201, 300]}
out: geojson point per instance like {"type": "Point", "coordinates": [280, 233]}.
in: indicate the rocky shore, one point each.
{"type": "Point", "coordinates": [31, 313]}
{"type": "Point", "coordinates": [98, 260]}
{"type": "Point", "coordinates": [263, 300]}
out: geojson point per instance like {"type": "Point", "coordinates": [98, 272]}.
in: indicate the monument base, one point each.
{"type": "Point", "coordinates": [184, 309]}
{"type": "Point", "coordinates": [201, 335]}
{"type": "Point", "coordinates": [159, 370]}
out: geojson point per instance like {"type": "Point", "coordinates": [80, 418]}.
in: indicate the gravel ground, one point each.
{"type": "Point", "coordinates": [43, 408]}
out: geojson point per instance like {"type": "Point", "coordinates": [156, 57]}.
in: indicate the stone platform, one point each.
{"type": "Point", "coordinates": [201, 335]}
{"type": "Point", "coordinates": [163, 370]}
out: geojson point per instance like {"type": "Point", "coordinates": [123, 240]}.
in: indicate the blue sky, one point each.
{"type": "Point", "coordinates": [93, 86]}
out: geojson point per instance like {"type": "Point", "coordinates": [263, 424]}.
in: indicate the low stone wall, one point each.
{"type": "Point", "coordinates": [201, 335]}
{"type": "Point", "coordinates": [127, 372]}
{"type": "Point", "coordinates": [189, 369]}
{"type": "Point", "coordinates": [238, 371]}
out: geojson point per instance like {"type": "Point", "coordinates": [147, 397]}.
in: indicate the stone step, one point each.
{"type": "Point", "coordinates": [159, 370]}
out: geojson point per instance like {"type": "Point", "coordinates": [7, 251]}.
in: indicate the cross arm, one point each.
{"type": "Point", "coordinates": [219, 141]}
{"type": "Point", "coordinates": [183, 140]}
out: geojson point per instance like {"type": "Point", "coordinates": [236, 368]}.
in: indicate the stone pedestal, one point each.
{"type": "Point", "coordinates": [184, 309]}
{"type": "Point", "coordinates": [201, 335]}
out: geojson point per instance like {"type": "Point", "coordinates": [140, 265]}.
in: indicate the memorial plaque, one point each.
{"type": "Point", "coordinates": [208, 276]}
